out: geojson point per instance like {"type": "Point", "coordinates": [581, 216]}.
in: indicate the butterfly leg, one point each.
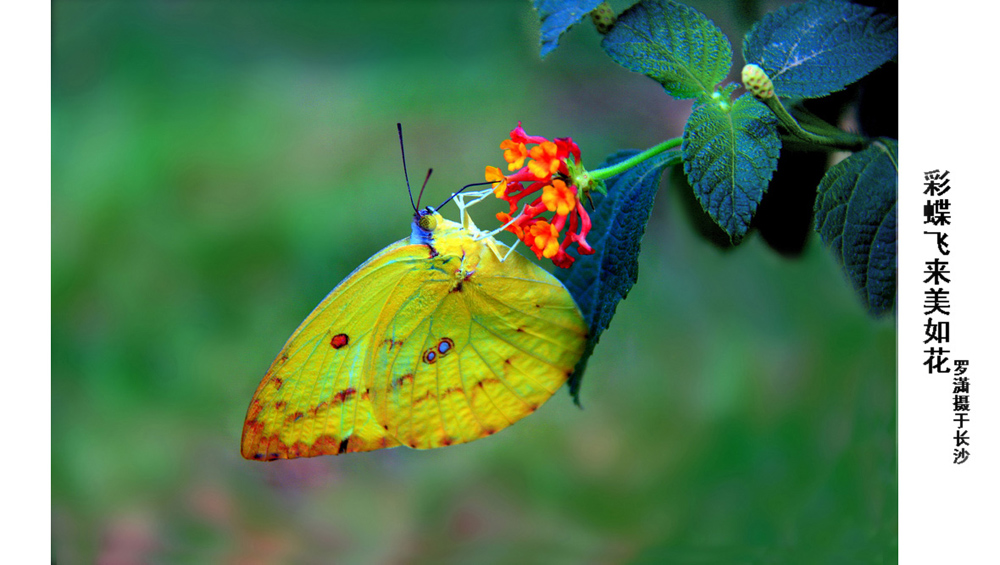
{"type": "Point", "coordinates": [463, 206]}
{"type": "Point", "coordinates": [483, 235]}
{"type": "Point", "coordinates": [467, 200]}
{"type": "Point", "coordinates": [510, 250]}
{"type": "Point", "coordinates": [491, 244]}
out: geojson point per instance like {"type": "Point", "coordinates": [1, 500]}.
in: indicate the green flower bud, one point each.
{"type": "Point", "coordinates": [603, 17]}
{"type": "Point", "coordinates": [757, 82]}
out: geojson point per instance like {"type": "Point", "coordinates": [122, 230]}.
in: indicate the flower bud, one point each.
{"type": "Point", "coordinates": [603, 17]}
{"type": "Point", "coordinates": [757, 82]}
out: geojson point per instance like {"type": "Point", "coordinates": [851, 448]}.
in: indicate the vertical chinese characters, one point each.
{"type": "Point", "coordinates": [937, 307]}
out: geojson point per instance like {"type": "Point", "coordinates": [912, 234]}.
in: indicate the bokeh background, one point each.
{"type": "Point", "coordinates": [217, 167]}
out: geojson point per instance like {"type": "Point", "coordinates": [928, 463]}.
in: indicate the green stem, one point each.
{"type": "Point", "coordinates": [618, 168]}
{"type": "Point", "coordinates": [846, 141]}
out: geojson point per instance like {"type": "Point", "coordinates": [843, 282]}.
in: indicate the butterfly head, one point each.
{"type": "Point", "coordinates": [424, 223]}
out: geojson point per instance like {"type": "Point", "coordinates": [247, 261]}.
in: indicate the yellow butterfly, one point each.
{"type": "Point", "coordinates": [440, 338]}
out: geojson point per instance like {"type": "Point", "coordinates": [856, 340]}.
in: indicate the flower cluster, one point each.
{"type": "Point", "coordinates": [552, 167]}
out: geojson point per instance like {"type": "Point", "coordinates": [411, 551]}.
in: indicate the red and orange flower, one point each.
{"type": "Point", "coordinates": [550, 169]}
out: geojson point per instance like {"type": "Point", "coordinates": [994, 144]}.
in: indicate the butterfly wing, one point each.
{"type": "Point", "coordinates": [424, 344]}
{"type": "Point", "coordinates": [312, 400]}
{"type": "Point", "coordinates": [482, 345]}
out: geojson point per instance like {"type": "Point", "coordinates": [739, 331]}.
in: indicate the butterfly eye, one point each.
{"type": "Point", "coordinates": [428, 223]}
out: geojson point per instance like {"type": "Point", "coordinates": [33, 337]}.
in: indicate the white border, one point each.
{"type": "Point", "coordinates": [25, 179]}
{"type": "Point", "coordinates": [947, 512]}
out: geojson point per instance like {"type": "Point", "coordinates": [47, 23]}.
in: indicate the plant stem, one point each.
{"type": "Point", "coordinates": [844, 140]}
{"type": "Point", "coordinates": [618, 168]}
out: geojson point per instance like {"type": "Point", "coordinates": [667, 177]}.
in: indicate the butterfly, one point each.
{"type": "Point", "coordinates": [441, 338]}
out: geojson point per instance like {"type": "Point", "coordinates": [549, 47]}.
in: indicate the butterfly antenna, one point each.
{"type": "Point", "coordinates": [402, 152]}
{"type": "Point", "coordinates": [419, 196]}
{"type": "Point", "coordinates": [454, 194]}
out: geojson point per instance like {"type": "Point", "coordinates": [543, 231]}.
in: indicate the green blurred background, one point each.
{"type": "Point", "coordinates": [217, 167]}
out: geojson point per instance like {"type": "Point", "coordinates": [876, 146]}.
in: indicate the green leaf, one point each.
{"type": "Point", "coordinates": [601, 280]}
{"type": "Point", "coordinates": [814, 48]}
{"type": "Point", "coordinates": [729, 157]}
{"type": "Point", "coordinates": [558, 16]}
{"type": "Point", "coordinates": [673, 44]}
{"type": "Point", "coordinates": [856, 217]}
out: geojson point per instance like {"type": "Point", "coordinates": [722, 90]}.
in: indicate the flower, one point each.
{"type": "Point", "coordinates": [514, 153]}
{"type": "Point", "coordinates": [504, 218]}
{"type": "Point", "coordinates": [499, 181]}
{"type": "Point", "coordinates": [558, 197]}
{"type": "Point", "coordinates": [545, 239]}
{"type": "Point", "coordinates": [552, 168]}
{"type": "Point", "coordinates": [546, 160]}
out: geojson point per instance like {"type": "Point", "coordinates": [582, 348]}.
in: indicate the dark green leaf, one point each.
{"type": "Point", "coordinates": [674, 45]}
{"type": "Point", "coordinates": [687, 204]}
{"type": "Point", "coordinates": [558, 16]}
{"type": "Point", "coordinates": [601, 280]}
{"type": "Point", "coordinates": [856, 217]}
{"type": "Point", "coordinates": [729, 157]}
{"type": "Point", "coordinates": [818, 47]}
